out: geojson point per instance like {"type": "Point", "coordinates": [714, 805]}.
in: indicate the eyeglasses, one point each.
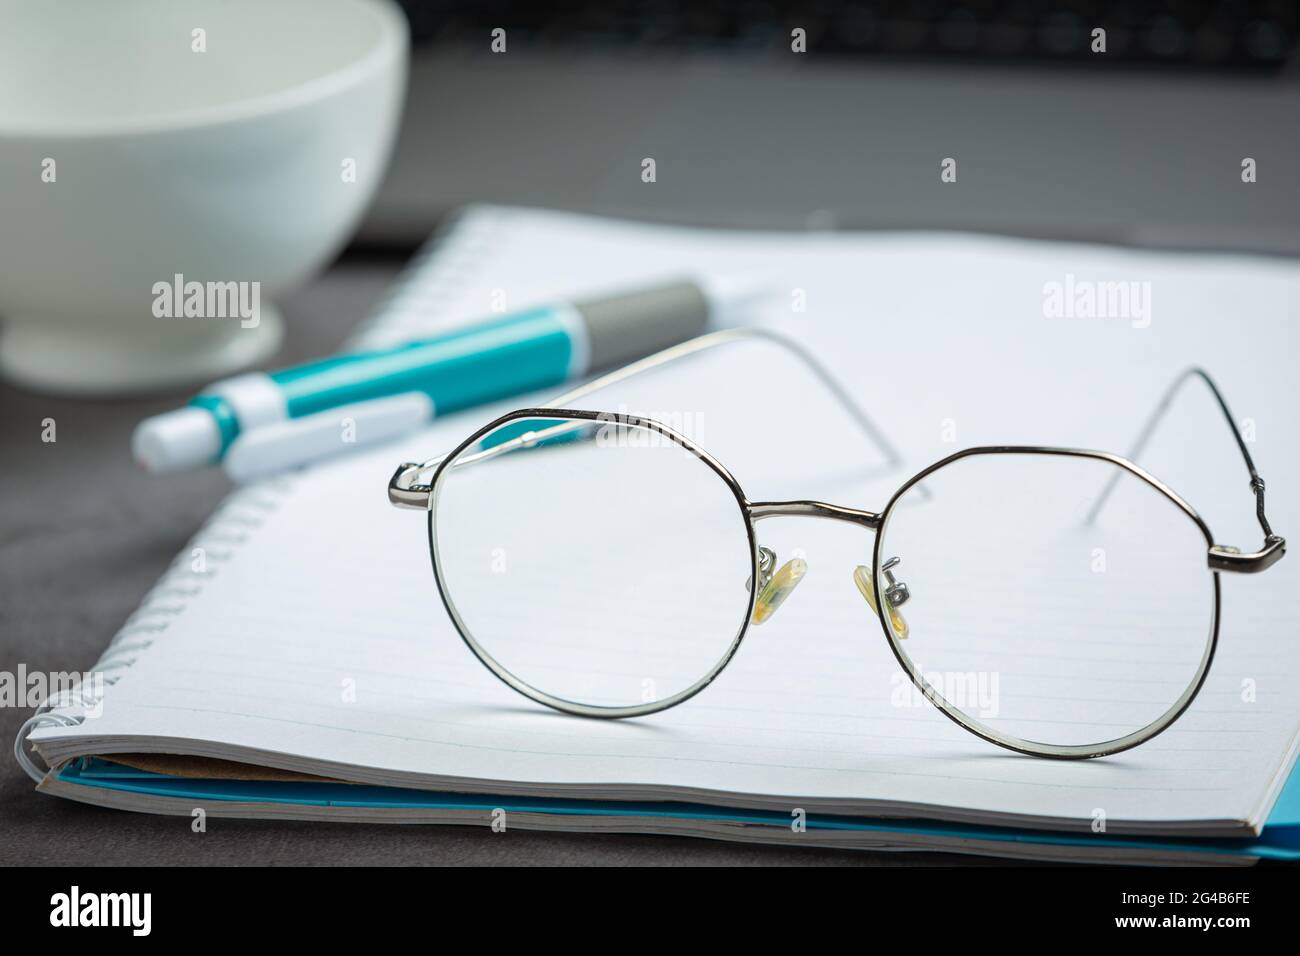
{"type": "Point", "coordinates": [1058, 602]}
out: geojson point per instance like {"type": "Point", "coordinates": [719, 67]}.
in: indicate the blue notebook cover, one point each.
{"type": "Point", "coordinates": [1280, 839]}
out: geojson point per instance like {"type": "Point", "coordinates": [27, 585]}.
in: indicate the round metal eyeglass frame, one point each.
{"type": "Point", "coordinates": [405, 491]}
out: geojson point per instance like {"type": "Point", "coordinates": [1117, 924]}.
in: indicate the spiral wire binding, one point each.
{"type": "Point", "coordinates": [244, 511]}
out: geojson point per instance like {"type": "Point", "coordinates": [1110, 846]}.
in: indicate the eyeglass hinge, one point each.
{"type": "Point", "coordinates": [403, 492]}
{"type": "Point", "coordinates": [1224, 557]}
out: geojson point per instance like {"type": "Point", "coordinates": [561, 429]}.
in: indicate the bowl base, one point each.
{"type": "Point", "coordinates": [45, 358]}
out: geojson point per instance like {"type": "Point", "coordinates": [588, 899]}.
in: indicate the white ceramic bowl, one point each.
{"type": "Point", "coordinates": [145, 139]}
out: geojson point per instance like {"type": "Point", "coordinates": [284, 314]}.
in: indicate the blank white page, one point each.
{"type": "Point", "coordinates": [320, 643]}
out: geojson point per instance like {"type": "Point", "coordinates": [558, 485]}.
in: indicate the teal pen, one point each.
{"type": "Point", "coordinates": [262, 422]}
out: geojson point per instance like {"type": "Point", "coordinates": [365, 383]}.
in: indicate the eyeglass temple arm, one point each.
{"type": "Point", "coordinates": [711, 340]}
{"type": "Point", "coordinates": [404, 491]}
{"type": "Point", "coordinates": [1222, 557]}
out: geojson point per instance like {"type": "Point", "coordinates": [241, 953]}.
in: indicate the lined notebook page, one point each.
{"type": "Point", "coordinates": [321, 644]}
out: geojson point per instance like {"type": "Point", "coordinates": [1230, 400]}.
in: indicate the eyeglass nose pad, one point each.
{"type": "Point", "coordinates": [778, 587]}
{"type": "Point", "coordinates": [862, 578]}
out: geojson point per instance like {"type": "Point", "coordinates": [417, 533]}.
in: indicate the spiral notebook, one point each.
{"type": "Point", "coordinates": [295, 662]}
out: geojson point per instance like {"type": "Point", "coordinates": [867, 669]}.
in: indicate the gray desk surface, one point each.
{"type": "Point", "coordinates": [83, 535]}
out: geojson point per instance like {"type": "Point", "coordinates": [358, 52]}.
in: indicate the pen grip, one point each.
{"type": "Point", "coordinates": [627, 327]}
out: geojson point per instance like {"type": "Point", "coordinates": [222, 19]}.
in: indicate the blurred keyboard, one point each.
{"type": "Point", "coordinates": [1238, 35]}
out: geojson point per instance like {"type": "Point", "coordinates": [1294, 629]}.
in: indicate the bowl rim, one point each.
{"type": "Point", "coordinates": [389, 49]}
